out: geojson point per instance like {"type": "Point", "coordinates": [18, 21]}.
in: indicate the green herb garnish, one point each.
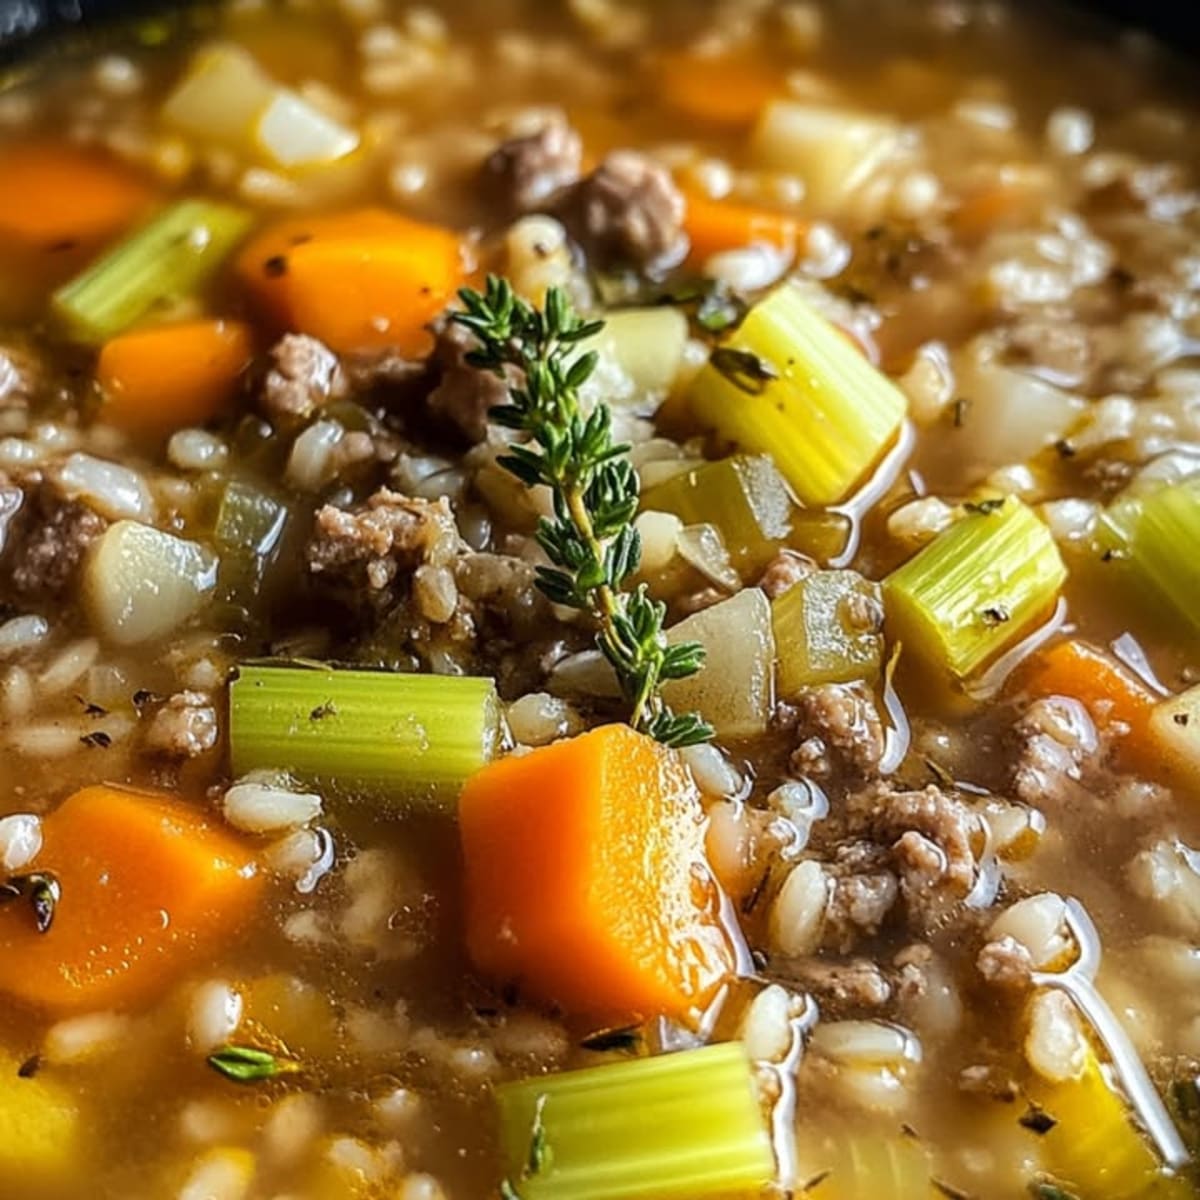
{"type": "Point", "coordinates": [248, 1064]}
{"type": "Point", "coordinates": [591, 539]}
{"type": "Point", "coordinates": [1043, 1190]}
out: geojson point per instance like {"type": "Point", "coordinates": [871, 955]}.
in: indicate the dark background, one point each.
{"type": "Point", "coordinates": [1176, 21]}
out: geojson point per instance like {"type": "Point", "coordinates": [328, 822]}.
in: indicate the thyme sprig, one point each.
{"type": "Point", "coordinates": [591, 540]}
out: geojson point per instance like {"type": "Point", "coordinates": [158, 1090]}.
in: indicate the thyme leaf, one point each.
{"type": "Point", "coordinates": [248, 1064]}
{"type": "Point", "coordinates": [591, 541]}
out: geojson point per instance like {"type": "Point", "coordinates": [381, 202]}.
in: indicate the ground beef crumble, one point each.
{"type": "Point", "coordinates": [48, 538]}
{"type": "Point", "coordinates": [184, 727]}
{"type": "Point", "coordinates": [629, 211]}
{"type": "Point", "coordinates": [464, 394]}
{"type": "Point", "coordinates": [304, 375]}
{"type": "Point", "coordinates": [527, 173]}
{"type": "Point", "coordinates": [839, 728]}
{"type": "Point", "coordinates": [369, 546]}
{"type": "Point", "coordinates": [1058, 743]}
{"type": "Point", "coordinates": [854, 984]}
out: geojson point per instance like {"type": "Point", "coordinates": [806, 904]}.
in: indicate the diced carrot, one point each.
{"type": "Point", "coordinates": [716, 225]}
{"type": "Point", "coordinates": [730, 89]}
{"type": "Point", "coordinates": [586, 878]}
{"type": "Point", "coordinates": [362, 280]}
{"type": "Point", "coordinates": [54, 195]}
{"type": "Point", "coordinates": [1110, 692]}
{"type": "Point", "coordinates": [146, 884]}
{"type": "Point", "coordinates": [167, 377]}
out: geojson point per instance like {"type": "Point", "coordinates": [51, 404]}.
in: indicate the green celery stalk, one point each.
{"type": "Point", "coordinates": [824, 631]}
{"type": "Point", "coordinates": [1158, 534]}
{"type": "Point", "coordinates": [680, 1126]}
{"type": "Point", "coordinates": [976, 589]}
{"type": "Point", "coordinates": [171, 257]}
{"type": "Point", "coordinates": [396, 736]}
{"type": "Point", "coordinates": [788, 383]}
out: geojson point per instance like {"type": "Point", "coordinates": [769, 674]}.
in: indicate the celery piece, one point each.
{"type": "Point", "coordinates": [743, 496]}
{"type": "Point", "coordinates": [248, 531]}
{"type": "Point", "coordinates": [1158, 534]}
{"type": "Point", "coordinates": [401, 737]}
{"type": "Point", "coordinates": [169, 258]}
{"type": "Point", "coordinates": [975, 589]}
{"type": "Point", "coordinates": [789, 384]}
{"type": "Point", "coordinates": [680, 1126]}
{"type": "Point", "coordinates": [827, 630]}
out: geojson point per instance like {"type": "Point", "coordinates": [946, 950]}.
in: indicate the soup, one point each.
{"type": "Point", "coordinates": [599, 602]}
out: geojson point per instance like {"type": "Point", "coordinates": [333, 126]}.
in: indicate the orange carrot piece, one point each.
{"type": "Point", "coordinates": [716, 225]}
{"type": "Point", "coordinates": [362, 280]}
{"type": "Point", "coordinates": [168, 377]}
{"type": "Point", "coordinates": [728, 90]}
{"type": "Point", "coordinates": [1108, 689]}
{"type": "Point", "coordinates": [585, 877]}
{"type": "Point", "coordinates": [147, 883]}
{"type": "Point", "coordinates": [53, 195]}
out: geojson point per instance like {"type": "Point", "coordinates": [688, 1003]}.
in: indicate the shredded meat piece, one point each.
{"type": "Point", "coordinates": [525, 174]}
{"type": "Point", "coordinates": [1059, 742]}
{"type": "Point", "coordinates": [371, 545]}
{"type": "Point", "coordinates": [185, 727]}
{"type": "Point", "coordinates": [305, 375]}
{"type": "Point", "coordinates": [784, 571]}
{"type": "Point", "coordinates": [49, 541]}
{"type": "Point", "coordinates": [840, 726]}
{"type": "Point", "coordinates": [464, 394]}
{"type": "Point", "coordinates": [1005, 963]}
{"type": "Point", "coordinates": [630, 211]}
{"type": "Point", "coordinates": [857, 983]}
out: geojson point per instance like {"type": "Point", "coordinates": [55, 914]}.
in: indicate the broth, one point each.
{"type": "Point", "coordinates": [1000, 212]}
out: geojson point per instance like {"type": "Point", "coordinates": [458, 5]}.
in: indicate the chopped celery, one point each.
{"type": "Point", "coordinates": [399, 736]}
{"type": "Point", "coordinates": [169, 258]}
{"type": "Point", "coordinates": [827, 630]}
{"type": "Point", "coordinates": [680, 1126]}
{"type": "Point", "coordinates": [744, 496]}
{"type": "Point", "coordinates": [1158, 534]}
{"type": "Point", "coordinates": [247, 535]}
{"type": "Point", "coordinates": [975, 589]}
{"type": "Point", "coordinates": [789, 384]}
{"type": "Point", "coordinates": [863, 1167]}
{"type": "Point", "coordinates": [734, 691]}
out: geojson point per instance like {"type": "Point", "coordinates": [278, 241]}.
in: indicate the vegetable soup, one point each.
{"type": "Point", "coordinates": [599, 602]}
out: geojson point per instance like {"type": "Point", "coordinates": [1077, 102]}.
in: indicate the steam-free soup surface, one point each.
{"type": "Point", "coordinates": [902, 325]}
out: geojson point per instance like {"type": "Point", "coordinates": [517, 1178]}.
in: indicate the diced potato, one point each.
{"type": "Point", "coordinates": [39, 1131]}
{"type": "Point", "coordinates": [734, 690]}
{"type": "Point", "coordinates": [1008, 416]}
{"type": "Point", "coordinates": [222, 97]}
{"type": "Point", "coordinates": [641, 350]}
{"type": "Point", "coordinates": [1175, 730]}
{"type": "Point", "coordinates": [828, 629]}
{"type": "Point", "coordinates": [140, 583]}
{"type": "Point", "coordinates": [292, 133]}
{"type": "Point", "coordinates": [833, 150]}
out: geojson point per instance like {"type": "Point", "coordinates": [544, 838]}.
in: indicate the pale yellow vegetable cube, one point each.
{"type": "Point", "coordinates": [1175, 730]}
{"type": "Point", "coordinates": [39, 1131]}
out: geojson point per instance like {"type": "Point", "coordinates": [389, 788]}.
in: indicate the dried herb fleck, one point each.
{"type": "Point", "coordinates": [41, 889]}
{"type": "Point", "coordinates": [624, 1037]}
{"type": "Point", "coordinates": [90, 709]}
{"type": "Point", "coordinates": [950, 1191]}
{"type": "Point", "coordinates": [996, 614]}
{"type": "Point", "coordinates": [328, 709]}
{"type": "Point", "coordinates": [1043, 1190]}
{"type": "Point", "coordinates": [744, 370]}
{"type": "Point", "coordinates": [96, 740]}
{"type": "Point", "coordinates": [1065, 449]}
{"type": "Point", "coordinates": [1180, 718]}
{"type": "Point", "coordinates": [144, 697]}
{"type": "Point", "coordinates": [30, 1067]}
{"type": "Point", "coordinates": [961, 407]}
{"type": "Point", "coordinates": [982, 508]}
{"type": "Point", "coordinates": [1037, 1119]}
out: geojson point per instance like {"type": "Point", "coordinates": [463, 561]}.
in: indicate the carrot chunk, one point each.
{"type": "Point", "coordinates": [716, 225]}
{"type": "Point", "coordinates": [362, 280]}
{"type": "Point", "coordinates": [586, 879]}
{"type": "Point", "coordinates": [730, 89]}
{"type": "Point", "coordinates": [1110, 692]}
{"type": "Point", "coordinates": [145, 884]}
{"type": "Point", "coordinates": [58, 196]}
{"type": "Point", "coordinates": [167, 377]}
